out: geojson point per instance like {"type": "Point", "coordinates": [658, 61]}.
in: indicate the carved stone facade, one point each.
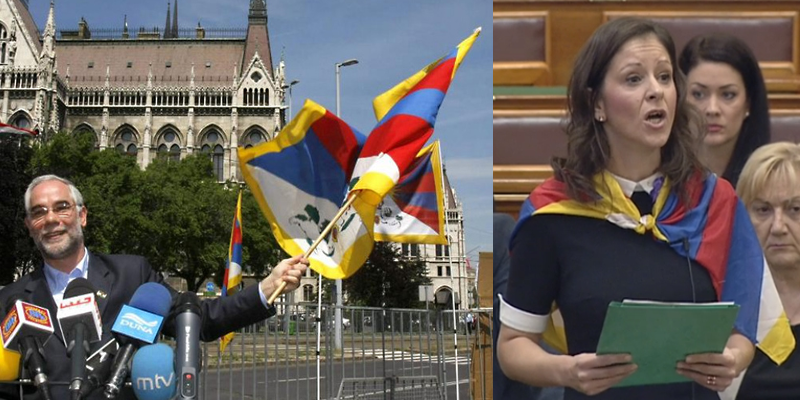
{"type": "Point", "coordinates": [148, 94]}
{"type": "Point", "coordinates": [144, 96]}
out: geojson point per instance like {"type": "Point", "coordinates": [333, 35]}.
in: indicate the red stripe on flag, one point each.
{"type": "Point", "coordinates": [406, 145]}
{"type": "Point", "coordinates": [237, 234]}
{"type": "Point", "coordinates": [438, 78]}
{"type": "Point", "coordinates": [340, 146]}
{"type": "Point", "coordinates": [550, 191]}
{"type": "Point", "coordinates": [425, 184]}
{"type": "Point", "coordinates": [715, 246]}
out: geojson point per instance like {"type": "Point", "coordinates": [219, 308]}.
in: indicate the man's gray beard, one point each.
{"type": "Point", "coordinates": [74, 245]}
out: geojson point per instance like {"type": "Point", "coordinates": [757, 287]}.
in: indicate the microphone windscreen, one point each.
{"type": "Point", "coordinates": [187, 301]}
{"type": "Point", "coordinates": [9, 364]}
{"type": "Point", "coordinates": [78, 286]}
{"type": "Point", "coordinates": [153, 298]}
{"type": "Point", "coordinates": [153, 373]}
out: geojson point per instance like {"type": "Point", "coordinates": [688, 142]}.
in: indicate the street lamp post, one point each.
{"type": "Point", "coordinates": [289, 86]}
{"type": "Point", "coordinates": [338, 312]}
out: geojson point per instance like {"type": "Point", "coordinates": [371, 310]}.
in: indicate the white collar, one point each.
{"type": "Point", "coordinates": [629, 186]}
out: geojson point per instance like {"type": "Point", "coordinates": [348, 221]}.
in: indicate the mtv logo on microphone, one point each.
{"type": "Point", "coordinates": [138, 324]}
{"type": "Point", "coordinates": [155, 383]}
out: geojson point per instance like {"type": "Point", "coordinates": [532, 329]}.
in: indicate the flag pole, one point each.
{"type": "Point", "coordinates": [316, 243]}
{"type": "Point", "coordinates": [319, 329]}
{"type": "Point", "coordinates": [450, 264]}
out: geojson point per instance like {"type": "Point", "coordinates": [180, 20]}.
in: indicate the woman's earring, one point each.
{"type": "Point", "coordinates": [747, 114]}
{"type": "Point", "coordinates": [601, 118]}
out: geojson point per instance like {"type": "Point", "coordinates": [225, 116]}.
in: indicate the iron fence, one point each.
{"type": "Point", "coordinates": [384, 353]}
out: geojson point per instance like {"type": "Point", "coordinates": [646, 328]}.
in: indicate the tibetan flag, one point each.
{"type": "Point", "coordinates": [13, 131]}
{"type": "Point", "coordinates": [413, 211]}
{"type": "Point", "coordinates": [233, 268]}
{"type": "Point", "coordinates": [300, 180]}
{"type": "Point", "coordinates": [715, 231]}
{"type": "Point", "coordinates": [406, 115]}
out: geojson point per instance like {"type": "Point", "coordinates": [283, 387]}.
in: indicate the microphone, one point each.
{"type": "Point", "coordinates": [152, 373]}
{"type": "Point", "coordinates": [187, 352]}
{"type": "Point", "coordinates": [98, 366]}
{"type": "Point", "coordinates": [79, 319]}
{"type": "Point", "coordinates": [9, 365]}
{"type": "Point", "coordinates": [138, 322]}
{"type": "Point", "coordinates": [24, 329]}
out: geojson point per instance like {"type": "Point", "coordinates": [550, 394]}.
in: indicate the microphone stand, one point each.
{"type": "Point", "coordinates": [77, 352]}
{"type": "Point", "coordinates": [32, 352]}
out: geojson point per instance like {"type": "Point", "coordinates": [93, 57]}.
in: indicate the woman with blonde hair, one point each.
{"type": "Point", "coordinates": [769, 186]}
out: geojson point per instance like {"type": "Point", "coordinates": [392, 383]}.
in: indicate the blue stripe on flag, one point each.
{"type": "Point", "coordinates": [423, 199]}
{"type": "Point", "coordinates": [745, 253]}
{"type": "Point", "coordinates": [423, 103]}
{"type": "Point", "coordinates": [305, 165]}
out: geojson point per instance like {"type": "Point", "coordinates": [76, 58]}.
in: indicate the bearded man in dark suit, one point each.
{"type": "Point", "coordinates": [55, 218]}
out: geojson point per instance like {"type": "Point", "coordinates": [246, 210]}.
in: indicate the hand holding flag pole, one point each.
{"type": "Point", "coordinates": [307, 254]}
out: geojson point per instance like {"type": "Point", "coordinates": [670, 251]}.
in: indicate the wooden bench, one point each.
{"type": "Point", "coordinates": [536, 41]}
{"type": "Point", "coordinates": [525, 142]}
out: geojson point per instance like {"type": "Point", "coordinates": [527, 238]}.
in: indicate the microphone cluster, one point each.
{"type": "Point", "coordinates": [156, 371]}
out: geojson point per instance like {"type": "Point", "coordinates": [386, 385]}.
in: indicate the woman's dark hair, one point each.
{"type": "Point", "coordinates": [728, 49]}
{"type": "Point", "coordinates": [587, 142]}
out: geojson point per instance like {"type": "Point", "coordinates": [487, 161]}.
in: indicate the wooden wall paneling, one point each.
{"type": "Point", "coordinates": [773, 37]}
{"type": "Point", "coordinates": [522, 68]}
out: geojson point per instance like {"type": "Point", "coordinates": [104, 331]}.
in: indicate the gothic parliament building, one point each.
{"type": "Point", "coordinates": [170, 93]}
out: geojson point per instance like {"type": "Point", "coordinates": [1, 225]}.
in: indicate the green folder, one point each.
{"type": "Point", "coordinates": [658, 335]}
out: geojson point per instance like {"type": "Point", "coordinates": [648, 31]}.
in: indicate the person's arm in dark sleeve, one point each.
{"type": "Point", "coordinates": [227, 314]}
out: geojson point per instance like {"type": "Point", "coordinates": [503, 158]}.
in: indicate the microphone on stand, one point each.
{"type": "Point", "coordinates": [187, 337]}
{"type": "Point", "coordinates": [79, 319]}
{"type": "Point", "coordinates": [24, 329]}
{"type": "Point", "coordinates": [138, 322]}
{"type": "Point", "coordinates": [153, 373]}
{"type": "Point", "coordinates": [9, 365]}
{"type": "Point", "coordinates": [98, 366]}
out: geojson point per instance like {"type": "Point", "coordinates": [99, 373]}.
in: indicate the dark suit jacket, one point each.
{"type": "Point", "coordinates": [503, 387]}
{"type": "Point", "coordinates": [118, 276]}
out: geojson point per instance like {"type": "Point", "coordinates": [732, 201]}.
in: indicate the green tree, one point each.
{"type": "Point", "coordinates": [19, 252]}
{"type": "Point", "coordinates": [64, 155]}
{"type": "Point", "coordinates": [186, 231]}
{"type": "Point", "coordinates": [387, 269]}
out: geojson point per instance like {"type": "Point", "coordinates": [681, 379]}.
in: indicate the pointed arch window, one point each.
{"type": "Point", "coordinates": [212, 147]}
{"type": "Point", "coordinates": [21, 121]}
{"type": "Point", "coordinates": [252, 138]}
{"type": "Point", "coordinates": [125, 143]}
{"type": "Point", "coordinates": [169, 146]}
{"type": "Point", "coordinates": [5, 44]}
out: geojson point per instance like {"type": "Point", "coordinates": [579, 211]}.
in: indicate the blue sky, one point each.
{"type": "Point", "coordinates": [391, 39]}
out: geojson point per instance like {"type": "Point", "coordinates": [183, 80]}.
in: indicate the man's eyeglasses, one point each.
{"type": "Point", "coordinates": [63, 209]}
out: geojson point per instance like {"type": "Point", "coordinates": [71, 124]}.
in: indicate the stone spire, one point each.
{"type": "Point", "coordinates": [175, 21]}
{"type": "Point", "coordinates": [167, 29]}
{"type": "Point", "coordinates": [49, 35]}
{"type": "Point", "coordinates": [258, 12]}
{"type": "Point", "coordinates": [257, 41]}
